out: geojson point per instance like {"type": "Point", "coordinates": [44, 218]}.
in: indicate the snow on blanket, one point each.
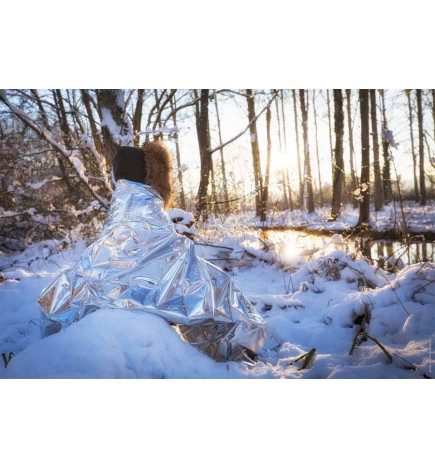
{"type": "Point", "coordinates": [314, 304]}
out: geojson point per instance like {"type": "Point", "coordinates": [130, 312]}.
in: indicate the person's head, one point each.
{"type": "Point", "coordinates": [150, 165]}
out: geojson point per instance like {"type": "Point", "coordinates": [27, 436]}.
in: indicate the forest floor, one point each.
{"type": "Point", "coordinates": [317, 308]}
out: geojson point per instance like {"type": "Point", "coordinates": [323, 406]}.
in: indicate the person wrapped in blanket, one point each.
{"type": "Point", "coordinates": [141, 264]}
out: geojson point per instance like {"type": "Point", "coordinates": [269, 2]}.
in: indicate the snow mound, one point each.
{"type": "Point", "coordinates": [117, 344]}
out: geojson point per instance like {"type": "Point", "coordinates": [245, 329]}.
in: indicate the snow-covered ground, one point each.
{"type": "Point", "coordinates": [419, 219]}
{"type": "Point", "coordinates": [320, 303]}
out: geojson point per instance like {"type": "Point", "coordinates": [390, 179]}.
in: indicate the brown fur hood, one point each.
{"type": "Point", "coordinates": [158, 164]}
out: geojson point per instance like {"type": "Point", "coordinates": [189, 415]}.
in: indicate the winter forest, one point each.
{"type": "Point", "coordinates": [319, 204]}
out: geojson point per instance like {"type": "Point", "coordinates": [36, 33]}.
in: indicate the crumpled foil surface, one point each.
{"type": "Point", "coordinates": [140, 264]}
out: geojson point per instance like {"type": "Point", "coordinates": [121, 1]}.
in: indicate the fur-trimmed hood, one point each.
{"type": "Point", "coordinates": [150, 165]}
{"type": "Point", "coordinates": [158, 168]}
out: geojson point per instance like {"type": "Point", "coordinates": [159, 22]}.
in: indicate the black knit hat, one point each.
{"type": "Point", "coordinates": [129, 164]}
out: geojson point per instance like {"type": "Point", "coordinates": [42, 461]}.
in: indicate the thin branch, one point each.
{"type": "Point", "coordinates": [211, 151]}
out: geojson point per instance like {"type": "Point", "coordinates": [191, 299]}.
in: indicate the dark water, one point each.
{"type": "Point", "coordinates": [387, 254]}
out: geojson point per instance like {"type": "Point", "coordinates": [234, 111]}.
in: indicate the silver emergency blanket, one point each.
{"type": "Point", "coordinates": [140, 264]}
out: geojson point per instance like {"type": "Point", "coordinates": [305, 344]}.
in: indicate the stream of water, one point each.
{"type": "Point", "coordinates": [385, 253]}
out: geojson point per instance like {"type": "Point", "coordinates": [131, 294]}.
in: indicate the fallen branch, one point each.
{"type": "Point", "coordinates": [308, 359]}
{"type": "Point", "coordinates": [6, 359]}
{"type": "Point", "coordinates": [363, 335]}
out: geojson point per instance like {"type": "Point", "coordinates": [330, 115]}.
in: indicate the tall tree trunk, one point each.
{"type": "Point", "coordinates": [289, 191]}
{"type": "Point", "coordinates": [297, 146]}
{"type": "Point", "coordinates": [364, 209]}
{"type": "Point", "coordinates": [421, 148]}
{"type": "Point", "coordinates": [353, 178]}
{"type": "Point", "coordinates": [278, 121]}
{"type": "Point", "coordinates": [112, 111]}
{"type": "Point", "coordinates": [386, 172]}
{"type": "Point", "coordinates": [283, 120]}
{"type": "Point", "coordinates": [338, 181]}
{"type": "Point", "coordinates": [255, 156]}
{"type": "Point", "coordinates": [137, 118]}
{"type": "Point", "coordinates": [414, 155]}
{"type": "Point", "coordinates": [94, 131]}
{"type": "Point", "coordinates": [284, 189]}
{"type": "Point", "coordinates": [379, 196]}
{"type": "Point", "coordinates": [308, 182]}
{"type": "Point", "coordinates": [205, 157]}
{"type": "Point", "coordinates": [42, 112]}
{"type": "Point", "coordinates": [317, 148]}
{"type": "Point", "coordinates": [269, 150]}
{"type": "Point", "coordinates": [328, 103]}
{"type": "Point", "coordinates": [214, 206]}
{"type": "Point", "coordinates": [178, 156]}
{"type": "Point", "coordinates": [63, 120]}
{"type": "Point", "coordinates": [433, 112]}
{"type": "Point", "coordinates": [286, 171]}
{"type": "Point", "coordinates": [224, 174]}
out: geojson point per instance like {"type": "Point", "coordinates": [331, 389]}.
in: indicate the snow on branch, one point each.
{"type": "Point", "coordinates": [47, 136]}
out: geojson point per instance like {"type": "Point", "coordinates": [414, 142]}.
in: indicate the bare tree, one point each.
{"type": "Point", "coordinates": [338, 180]}
{"type": "Point", "coordinates": [317, 148]}
{"type": "Point", "coordinates": [205, 157]}
{"type": "Point", "coordinates": [221, 150]}
{"type": "Point", "coordinates": [298, 153]}
{"type": "Point", "coordinates": [137, 118]}
{"type": "Point", "coordinates": [178, 156]}
{"type": "Point", "coordinates": [308, 196]}
{"type": "Point", "coordinates": [283, 120]}
{"type": "Point", "coordinates": [94, 131]}
{"type": "Point", "coordinates": [328, 103]}
{"type": "Point", "coordinates": [421, 148]}
{"type": "Point", "coordinates": [411, 133]}
{"type": "Point", "coordinates": [353, 178]}
{"type": "Point", "coordinates": [364, 210]}
{"type": "Point", "coordinates": [115, 127]}
{"type": "Point", "coordinates": [386, 172]}
{"type": "Point", "coordinates": [258, 180]}
{"type": "Point", "coordinates": [269, 150]}
{"type": "Point", "coordinates": [379, 196]}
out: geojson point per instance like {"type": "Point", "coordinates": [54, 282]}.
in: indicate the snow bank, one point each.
{"type": "Point", "coordinates": [116, 344]}
{"type": "Point", "coordinates": [317, 303]}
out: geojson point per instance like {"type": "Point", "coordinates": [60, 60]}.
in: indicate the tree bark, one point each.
{"type": "Point", "coordinates": [386, 172]}
{"type": "Point", "coordinates": [137, 118]}
{"type": "Point", "coordinates": [413, 153]}
{"type": "Point", "coordinates": [317, 148]}
{"type": "Point", "coordinates": [205, 157]}
{"type": "Point", "coordinates": [178, 156]}
{"type": "Point", "coordinates": [308, 197]}
{"type": "Point", "coordinates": [94, 131]}
{"type": "Point", "coordinates": [283, 121]}
{"type": "Point", "coordinates": [328, 103]}
{"type": "Point", "coordinates": [224, 174]}
{"type": "Point", "coordinates": [110, 106]}
{"type": "Point", "coordinates": [379, 196]}
{"type": "Point", "coordinates": [260, 211]}
{"type": "Point", "coordinates": [269, 150]}
{"type": "Point", "coordinates": [353, 178]}
{"type": "Point", "coordinates": [279, 122]}
{"type": "Point", "coordinates": [289, 191]}
{"type": "Point", "coordinates": [421, 148]}
{"type": "Point", "coordinates": [297, 146]}
{"type": "Point", "coordinates": [364, 210]}
{"type": "Point", "coordinates": [338, 181]}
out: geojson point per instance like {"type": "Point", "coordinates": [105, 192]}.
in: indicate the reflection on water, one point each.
{"type": "Point", "coordinates": [386, 254]}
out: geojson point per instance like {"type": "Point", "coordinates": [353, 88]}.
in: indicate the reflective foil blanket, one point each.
{"type": "Point", "coordinates": [140, 264]}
